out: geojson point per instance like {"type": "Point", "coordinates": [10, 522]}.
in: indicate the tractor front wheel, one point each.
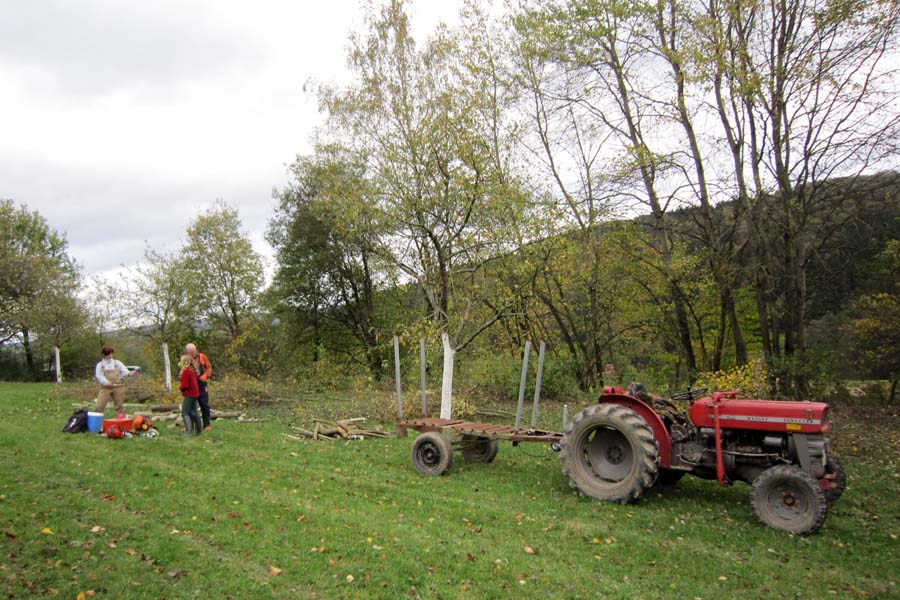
{"type": "Point", "coordinates": [432, 454]}
{"type": "Point", "coordinates": [787, 497]}
{"type": "Point", "coordinates": [479, 449]}
{"type": "Point", "coordinates": [834, 486]}
{"type": "Point", "coordinates": [608, 452]}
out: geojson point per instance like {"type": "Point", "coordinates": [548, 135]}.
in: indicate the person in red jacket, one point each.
{"type": "Point", "coordinates": [190, 392]}
{"type": "Point", "coordinates": [204, 372]}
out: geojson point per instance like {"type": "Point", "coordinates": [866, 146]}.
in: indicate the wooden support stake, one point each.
{"type": "Point", "coordinates": [447, 384]}
{"type": "Point", "coordinates": [397, 378]}
{"type": "Point", "coordinates": [167, 366]}
{"type": "Point", "coordinates": [58, 368]}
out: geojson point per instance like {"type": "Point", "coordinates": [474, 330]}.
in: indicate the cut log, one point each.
{"type": "Point", "coordinates": [343, 429]}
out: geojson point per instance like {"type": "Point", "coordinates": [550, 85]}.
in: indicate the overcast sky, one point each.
{"type": "Point", "coordinates": [119, 121]}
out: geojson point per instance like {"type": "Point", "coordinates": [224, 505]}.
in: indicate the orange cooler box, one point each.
{"type": "Point", "coordinates": [122, 424]}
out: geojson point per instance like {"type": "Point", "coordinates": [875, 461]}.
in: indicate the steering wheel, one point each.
{"type": "Point", "coordinates": [690, 394]}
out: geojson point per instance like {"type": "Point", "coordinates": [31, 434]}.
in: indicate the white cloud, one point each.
{"type": "Point", "coordinates": [120, 121]}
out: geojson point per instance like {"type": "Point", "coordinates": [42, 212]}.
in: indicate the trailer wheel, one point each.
{"type": "Point", "coordinates": [608, 452]}
{"type": "Point", "coordinates": [787, 497]}
{"type": "Point", "coordinates": [432, 454]}
{"type": "Point", "coordinates": [834, 487]}
{"type": "Point", "coordinates": [479, 449]}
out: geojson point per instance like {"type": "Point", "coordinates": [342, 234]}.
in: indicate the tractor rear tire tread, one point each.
{"type": "Point", "coordinates": [643, 445]}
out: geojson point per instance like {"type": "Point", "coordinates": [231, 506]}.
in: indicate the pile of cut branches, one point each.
{"type": "Point", "coordinates": [345, 429]}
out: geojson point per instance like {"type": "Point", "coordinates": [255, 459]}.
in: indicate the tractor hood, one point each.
{"type": "Point", "coordinates": [762, 415]}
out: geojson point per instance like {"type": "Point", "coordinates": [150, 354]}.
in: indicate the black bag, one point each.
{"type": "Point", "coordinates": [77, 422]}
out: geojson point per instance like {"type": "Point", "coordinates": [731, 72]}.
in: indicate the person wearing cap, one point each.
{"type": "Point", "coordinates": [204, 372]}
{"type": "Point", "coordinates": [110, 374]}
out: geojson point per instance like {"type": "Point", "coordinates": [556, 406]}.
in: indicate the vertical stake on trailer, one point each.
{"type": "Point", "coordinates": [166, 366]}
{"type": "Point", "coordinates": [521, 404]}
{"type": "Point", "coordinates": [537, 386]}
{"type": "Point", "coordinates": [397, 378]}
{"type": "Point", "coordinates": [447, 384]}
{"type": "Point", "coordinates": [422, 373]}
{"type": "Point", "coordinates": [58, 370]}
{"type": "Point", "coordinates": [565, 415]}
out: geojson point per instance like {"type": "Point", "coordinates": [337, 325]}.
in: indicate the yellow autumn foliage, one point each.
{"type": "Point", "coordinates": [751, 379]}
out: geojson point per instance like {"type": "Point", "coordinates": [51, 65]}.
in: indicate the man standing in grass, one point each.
{"type": "Point", "coordinates": [110, 374]}
{"type": "Point", "coordinates": [204, 372]}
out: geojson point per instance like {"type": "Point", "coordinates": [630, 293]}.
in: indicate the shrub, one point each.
{"type": "Point", "coordinates": [238, 391]}
{"type": "Point", "coordinates": [385, 408]}
{"type": "Point", "coordinates": [493, 377]}
{"type": "Point", "coordinates": [751, 379]}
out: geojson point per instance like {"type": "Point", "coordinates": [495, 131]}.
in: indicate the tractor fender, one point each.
{"type": "Point", "coordinates": [653, 421]}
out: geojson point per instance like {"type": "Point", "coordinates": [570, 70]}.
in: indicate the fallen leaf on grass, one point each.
{"type": "Point", "coordinates": [47, 531]}
{"type": "Point", "coordinates": [131, 552]}
{"type": "Point", "coordinates": [275, 571]}
{"type": "Point", "coordinates": [10, 537]}
{"type": "Point", "coordinates": [349, 578]}
{"type": "Point", "coordinates": [529, 550]}
{"type": "Point", "coordinates": [177, 574]}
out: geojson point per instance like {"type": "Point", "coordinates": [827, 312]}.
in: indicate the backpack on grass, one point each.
{"type": "Point", "coordinates": [77, 423]}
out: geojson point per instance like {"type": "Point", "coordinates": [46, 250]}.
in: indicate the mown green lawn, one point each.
{"type": "Point", "coordinates": [244, 513]}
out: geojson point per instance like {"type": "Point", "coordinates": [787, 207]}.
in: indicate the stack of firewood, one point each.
{"type": "Point", "coordinates": [346, 429]}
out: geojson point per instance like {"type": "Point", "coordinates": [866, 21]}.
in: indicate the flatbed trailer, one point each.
{"type": "Point", "coordinates": [432, 451]}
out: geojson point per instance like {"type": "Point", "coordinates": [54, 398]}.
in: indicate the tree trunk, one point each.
{"type": "Point", "coordinates": [684, 331]}
{"type": "Point", "coordinates": [317, 334]}
{"type": "Point", "coordinates": [720, 334]}
{"type": "Point", "coordinates": [29, 355]}
{"type": "Point", "coordinates": [765, 324]}
{"type": "Point", "coordinates": [740, 346]}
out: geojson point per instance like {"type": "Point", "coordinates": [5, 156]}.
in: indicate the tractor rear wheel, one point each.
{"type": "Point", "coordinates": [608, 452]}
{"type": "Point", "coordinates": [432, 454]}
{"type": "Point", "coordinates": [479, 449]}
{"type": "Point", "coordinates": [835, 487]}
{"type": "Point", "coordinates": [787, 497]}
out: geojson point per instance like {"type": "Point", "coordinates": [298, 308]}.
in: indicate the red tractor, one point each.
{"type": "Point", "coordinates": [618, 448]}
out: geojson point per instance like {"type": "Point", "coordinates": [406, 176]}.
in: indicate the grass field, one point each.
{"type": "Point", "coordinates": [243, 513]}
